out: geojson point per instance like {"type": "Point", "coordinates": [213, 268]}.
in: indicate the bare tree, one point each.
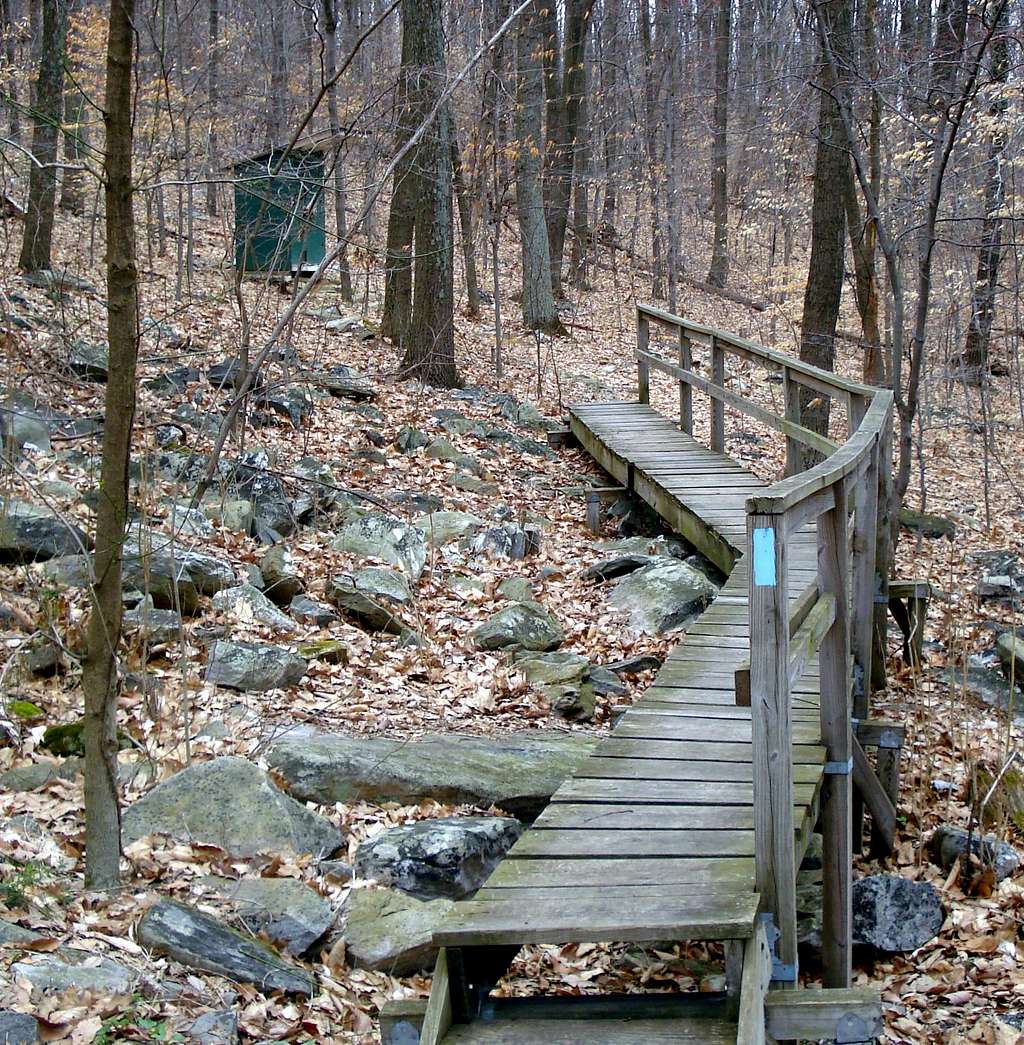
{"type": "Point", "coordinates": [103, 633]}
{"type": "Point", "coordinates": [718, 273]}
{"type": "Point", "coordinates": [47, 108]}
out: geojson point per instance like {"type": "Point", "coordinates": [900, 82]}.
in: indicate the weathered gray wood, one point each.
{"type": "Point", "coordinates": [753, 988]}
{"type": "Point", "coordinates": [653, 1031]}
{"type": "Point", "coordinates": [438, 1018]}
{"type": "Point", "coordinates": [730, 871]}
{"type": "Point", "coordinates": [643, 374]}
{"type": "Point", "coordinates": [837, 857]}
{"type": "Point", "coordinates": [880, 805]}
{"type": "Point", "coordinates": [717, 405]}
{"type": "Point", "coordinates": [693, 793]}
{"type": "Point", "coordinates": [570, 843]}
{"type": "Point", "coordinates": [772, 736]}
{"type": "Point", "coordinates": [401, 1020]}
{"type": "Point", "coordinates": [479, 923]}
{"type": "Point", "coordinates": [863, 583]}
{"type": "Point", "coordinates": [815, 1014]}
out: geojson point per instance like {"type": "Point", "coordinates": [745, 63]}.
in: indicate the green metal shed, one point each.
{"type": "Point", "coordinates": [279, 218]}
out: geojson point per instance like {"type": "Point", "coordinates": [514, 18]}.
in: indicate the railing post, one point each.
{"type": "Point", "coordinates": [865, 527]}
{"type": "Point", "coordinates": [883, 549]}
{"type": "Point", "coordinates": [643, 371]}
{"type": "Point", "coordinates": [791, 394]}
{"type": "Point", "coordinates": [717, 406]}
{"type": "Point", "coordinates": [837, 788]}
{"type": "Point", "coordinates": [685, 392]}
{"type": "Point", "coordinates": [772, 747]}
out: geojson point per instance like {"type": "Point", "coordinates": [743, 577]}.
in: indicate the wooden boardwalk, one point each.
{"type": "Point", "coordinates": [660, 834]}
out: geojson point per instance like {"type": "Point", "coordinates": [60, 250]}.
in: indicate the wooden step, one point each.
{"type": "Point", "coordinates": [593, 1032]}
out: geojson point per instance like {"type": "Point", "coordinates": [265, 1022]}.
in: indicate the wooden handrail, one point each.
{"type": "Point", "coordinates": [837, 619]}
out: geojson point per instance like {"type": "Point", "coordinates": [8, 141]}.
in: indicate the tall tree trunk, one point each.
{"type": "Point", "coordinates": [610, 46]}
{"type": "Point", "coordinates": [862, 228]}
{"type": "Point", "coordinates": [340, 218]}
{"type": "Point", "coordinates": [538, 299]}
{"type": "Point", "coordinates": [276, 108]}
{"type": "Point", "coordinates": [655, 173]}
{"type": "Point", "coordinates": [103, 632]}
{"type": "Point", "coordinates": [47, 108]}
{"type": "Point", "coordinates": [213, 103]}
{"type": "Point", "coordinates": [72, 191]}
{"type": "Point", "coordinates": [983, 296]}
{"type": "Point", "coordinates": [466, 225]}
{"type": "Point", "coordinates": [718, 273]}
{"type": "Point", "coordinates": [430, 344]}
{"type": "Point", "coordinates": [7, 27]}
{"type": "Point", "coordinates": [828, 228]}
{"type": "Point", "coordinates": [563, 132]}
{"type": "Point", "coordinates": [396, 315]}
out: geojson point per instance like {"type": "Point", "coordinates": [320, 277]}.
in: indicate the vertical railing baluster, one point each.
{"type": "Point", "coordinates": [717, 406]}
{"type": "Point", "coordinates": [643, 371]}
{"type": "Point", "coordinates": [837, 787]}
{"type": "Point", "coordinates": [772, 748]}
{"type": "Point", "coordinates": [791, 394]}
{"type": "Point", "coordinates": [685, 392]}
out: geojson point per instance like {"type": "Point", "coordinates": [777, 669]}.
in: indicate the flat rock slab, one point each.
{"type": "Point", "coordinates": [389, 932]}
{"type": "Point", "coordinates": [523, 625]}
{"type": "Point", "coordinates": [449, 857]}
{"type": "Point", "coordinates": [202, 942]}
{"type": "Point", "coordinates": [518, 773]}
{"type": "Point", "coordinates": [289, 912]}
{"type": "Point", "coordinates": [662, 595]}
{"type": "Point", "coordinates": [18, 1029]}
{"type": "Point", "coordinates": [230, 803]}
{"type": "Point", "coordinates": [50, 973]}
{"type": "Point", "coordinates": [253, 666]}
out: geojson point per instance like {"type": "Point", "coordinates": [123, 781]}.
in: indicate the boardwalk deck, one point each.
{"type": "Point", "coordinates": [688, 821]}
{"type": "Point", "coordinates": [652, 837]}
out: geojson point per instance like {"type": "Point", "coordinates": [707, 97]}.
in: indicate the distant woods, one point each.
{"type": "Point", "coordinates": [846, 166]}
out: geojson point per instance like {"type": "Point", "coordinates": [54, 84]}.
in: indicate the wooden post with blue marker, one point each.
{"type": "Point", "coordinates": [772, 748]}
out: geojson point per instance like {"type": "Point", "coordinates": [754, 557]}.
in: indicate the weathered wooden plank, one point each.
{"type": "Point", "coordinates": [438, 1018]}
{"type": "Point", "coordinates": [653, 1031]}
{"type": "Point", "coordinates": [486, 923]}
{"type": "Point", "coordinates": [701, 793]}
{"type": "Point", "coordinates": [757, 966]}
{"type": "Point", "coordinates": [580, 815]}
{"type": "Point", "coordinates": [729, 870]}
{"type": "Point", "coordinates": [570, 843]}
{"type": "Point", "coordinates": [816, 1014]}
{"type": "Point", "coordinates": [638, 767]}
{"type": "Point", "coordinates": [679, 727]}
{"type": "Point", "coordinates": [711, 751]}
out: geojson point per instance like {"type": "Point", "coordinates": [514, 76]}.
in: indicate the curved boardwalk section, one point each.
{"type": "Point", "coordinates": [687, 821]}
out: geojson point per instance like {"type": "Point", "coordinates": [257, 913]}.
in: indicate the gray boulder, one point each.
{"type": "Point", "coordinates": [377, 536]}
{"type": "Point", "coordinates": [247, 604]}
{"type": "Point", "coordinates": [89, 360]}
{"type": "Point", "coordinates": [69, 571]}
{"type": "Point", "coordinates": [253, 667]}
{"type": "Point", "coordinates": [156, 627]}
{"type": "Point", "coordinates": [29, 533]}
{"type": "Point", "coordinates": [895, 914]}
{"type": "Point", "coordinates": [292, 914]}
{"type": "Point", "coordinates": [373, 613]}
{"type": "Point", "coordinates": [215, 1028]}
{"type": "Point", "coordinates": [16, 1028]}
{"type": "Point", "coordinates": [619, 566]}
{"type": "Point", "coordinates": [410, 439]}
{"type": "Point", "coordinates": [517, 773]}
{"type": "Point", "coordinates": [950, 843]}
{"type": "Point", "coordinates": [516, 589]}
{"type": "Point", "coordinates": [552, 669]}
{"type": "Point", "coordinates": [309, 611]}
{"type": "Point", "coordinates": [21, 426]}
{"type": "Point", "coordinates": [444, 450]}
{"type": "Point", "coordinates": [450, 857]}
{"type": "Point", "coordinates": [444, 527]}
{"type": "Point", "coordinates": [507, 541]}
{"type": "Point", "coordinates": [1010, 648]}
{"type": "Point", "coordinates": [662, 595]}
{"type": "Point", "coordinates": [386, 931]}
{"type": "Point", "coordinates": [525, 625]}
{"type": "Point", "coordinates": [280, 577]}
{"type": "Point", "coordinates": [344, 382]}
{"type": "Point", "coordinates": [48, 972]}
{"type": "Point", "coordinates": [202, 942]}
{"type": "Point", "coordinates": [230, 803]}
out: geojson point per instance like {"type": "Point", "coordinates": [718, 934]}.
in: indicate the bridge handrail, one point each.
{"type": "Point", "coordinates": [852, 569]}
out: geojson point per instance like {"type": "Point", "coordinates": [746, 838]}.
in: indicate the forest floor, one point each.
{"type": "Point", "coordinates": [952, 990]}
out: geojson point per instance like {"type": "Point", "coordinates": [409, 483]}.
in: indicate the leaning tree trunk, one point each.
{"type": "Point", "coordinates": [828, 234]}
{"type": "Point", "coordinates": [990, 252]}
{"type": "Point", "coordinates": [430, 344]}
{"type": "Point", "coordinates": [718, 273]}
{"type": "Point", "coordinates": [47, 108]}
{"type": "Point", "coordinates": [538, 299]}
{"type": "Point", "coordinates": [468, 238]}
{"type": "Point", "coordinates": [103, 632]}
{"type": "Point", "coordinates": [7, 26]}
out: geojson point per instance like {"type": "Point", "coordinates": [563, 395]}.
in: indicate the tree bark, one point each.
{"type": "Point", "coordinates": [430, 343]}
{"type": "Point", "coordinates": [340, 218]}
{"type": "Point", "coordinates": [610, 30]}
{"type": "Point", "coordinates": [47, 108]}
{"type": "Point", "coordinates": [103, 631]}
{"type": "Point", "coordinates": [828, 229]}
{"type": "Point", "coordinates": [276, 108]}
{"type": "Point", "coordinates": [538, 300]}
{"type": "Point", "coordinates": [718, 272]}
{"type": "Point", "coordinates": [655, 173]}
{"type": "Point", "coordinates": [468, 238]}
{"type": "Point", "coordinates": [7, 26]}
{"type": "Point", "coordinates": [72, 197]}
{"type": "Point", "coordinates": [983, 296]}
{"type": "Point", "coordinates": [213, 102]}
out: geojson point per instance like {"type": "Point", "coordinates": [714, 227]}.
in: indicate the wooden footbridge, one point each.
{"type": "Point", "coordinates": [689, 822]}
